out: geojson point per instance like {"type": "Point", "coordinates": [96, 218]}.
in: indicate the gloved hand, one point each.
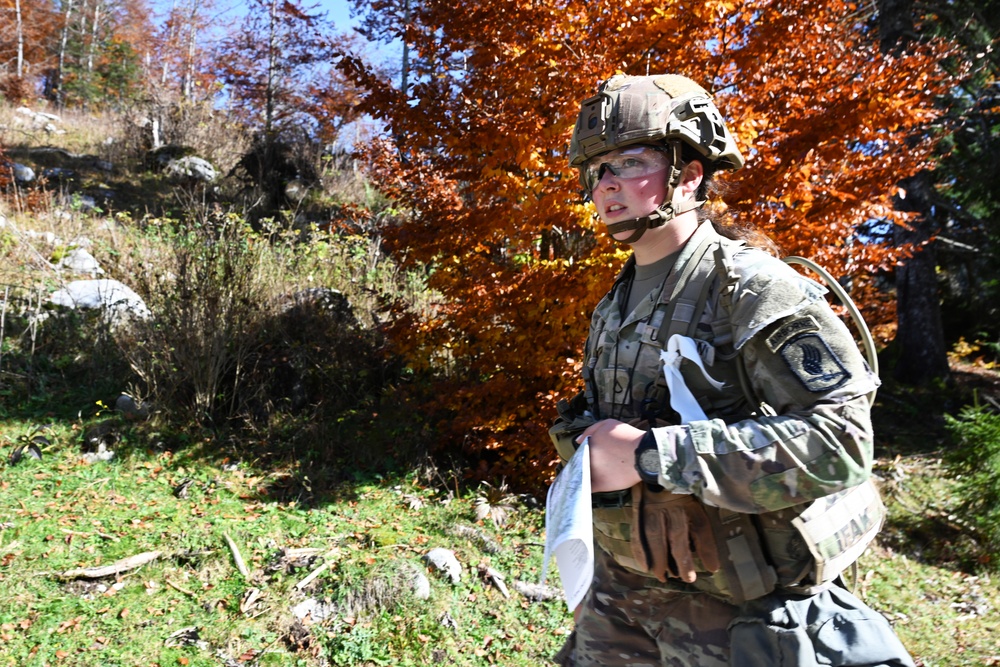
{"type": "Point", "coordinates": [669, 531]}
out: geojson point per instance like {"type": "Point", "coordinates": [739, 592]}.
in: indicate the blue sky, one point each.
{"type": "Point", "coordinates": [338, 11]}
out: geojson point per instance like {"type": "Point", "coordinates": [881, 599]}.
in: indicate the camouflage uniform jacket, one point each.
{"type": "Point", "coordinates": [808, 434]}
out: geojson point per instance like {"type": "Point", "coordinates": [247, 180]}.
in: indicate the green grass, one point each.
{"type": "Point", "coordinates": [924, 572]}
{"type": "Point", "coordinates": [62, 513]}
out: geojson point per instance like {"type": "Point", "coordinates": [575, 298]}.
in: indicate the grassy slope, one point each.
{"type": "Point", "coordinates": [62, 513]}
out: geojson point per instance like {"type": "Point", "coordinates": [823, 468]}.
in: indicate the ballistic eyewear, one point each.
{"type": "Point", "coordinates": [628, 162]}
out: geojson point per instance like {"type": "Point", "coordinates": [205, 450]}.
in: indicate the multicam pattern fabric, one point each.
{"type": "Point", "coordinates": [629, 620]}
{"type": "Point", "coordinates": [806, 436]}
{"type": "Point", "coordinates": [805, 444]}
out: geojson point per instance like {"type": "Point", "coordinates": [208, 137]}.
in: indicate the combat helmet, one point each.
{"type": "Point", "coordinates": [664, 110]}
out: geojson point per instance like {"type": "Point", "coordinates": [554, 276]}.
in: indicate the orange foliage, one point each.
{"type": "Point", "coordinates": [478, 162]}
{"type": "Point", "coordinates": [39, 22]}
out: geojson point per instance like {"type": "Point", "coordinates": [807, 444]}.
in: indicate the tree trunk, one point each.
{"type": "Point", "coordinates": [19, 26]}
{"type": "Point", "coordinates": [187, 90]}
{"type": "Point", "coordinates": [919, 333]}
{"type": "Point", "coordinates": [171, 40]}
{"type": "Point", "coordinates": [62, 54]}
{"type": "Point", "coordinates": [403, 83]}
{"type": "Point", "coordinates": [92, 47]}
{"type": "Point", "coordinates": [272, 66]}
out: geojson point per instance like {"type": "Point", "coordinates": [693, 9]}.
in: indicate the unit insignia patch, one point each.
{"type": "Point", "coordinates": [814, 363]}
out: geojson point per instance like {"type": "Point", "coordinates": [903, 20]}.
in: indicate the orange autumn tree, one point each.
{"type": "Point", "coordinates": [477, 162]}
{"type": "Point", "coordinates": [25, 29]}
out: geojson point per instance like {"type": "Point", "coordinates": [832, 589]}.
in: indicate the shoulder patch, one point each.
{"type": "Point", "coordinates": [788, 331]}
{"type": "Point", "coordinates": [814, 363]}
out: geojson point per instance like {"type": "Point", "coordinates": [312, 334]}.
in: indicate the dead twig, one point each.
{"type": "Point", "coordinates": [178, 587]}
{"type": "Point", "coordinates": [327, 562]}
{"type": "Point", "coordinates": [240, 564]}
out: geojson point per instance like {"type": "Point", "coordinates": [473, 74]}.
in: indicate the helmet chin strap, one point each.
{"type": "Point", "coordinates": [666, 212]}
{"type": "Point", "coordinates": [661, 216]}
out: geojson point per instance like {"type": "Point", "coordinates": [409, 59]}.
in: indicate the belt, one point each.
{"type": "Point", "coordinates": [612, 499]}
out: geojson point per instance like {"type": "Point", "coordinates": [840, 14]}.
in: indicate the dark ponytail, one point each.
{"type": "Point", "coordinates": [712, 191]}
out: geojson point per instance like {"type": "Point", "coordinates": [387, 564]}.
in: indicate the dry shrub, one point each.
{"type": "Point", "coordinates": [207, 285]}
{"type": "Point", "coordinates": [212, 133]}
{"type": "Point", "coordinates": [16, 90]}
{"type": "Point", "coordinates": [246, 324]}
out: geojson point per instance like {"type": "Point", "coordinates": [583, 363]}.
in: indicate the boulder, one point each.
{"type": "Point", "coordinates": [131, 409]}
{"type": "Point", "coordinates": [111, 296]}
{"type": "Point", "coordinates": [191, 168]}
{"type": "Point", "coordinates": [445, 562]}
{"type": "Point", "coordinates": [23, 174]}
{"type": "Point", "coordinates": [164, 155]}
{"type": "Point", "coordinates": [80, 261]}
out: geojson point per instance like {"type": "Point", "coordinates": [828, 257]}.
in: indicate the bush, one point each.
{"type": "Point", "coordinates": [273, 333]}
{"type": "Point", "coordinates": [976, 462]}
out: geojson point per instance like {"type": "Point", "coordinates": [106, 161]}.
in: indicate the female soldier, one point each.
{"type": "Point", "coordinates": [728, 412]}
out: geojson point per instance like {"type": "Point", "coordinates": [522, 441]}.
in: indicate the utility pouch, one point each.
{"type": "Point", "coordinates": [745, 573]}
{"type": "Point", "coordinates": [573, 420]}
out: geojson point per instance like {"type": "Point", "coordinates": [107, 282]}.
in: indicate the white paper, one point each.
{"type": "Point", "coordinates": [569, 527]}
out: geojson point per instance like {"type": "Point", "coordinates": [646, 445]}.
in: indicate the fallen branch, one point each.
{"type": "Point", "coordinates": [178, 587]}
{"type": "Point", "coordinates": [240, 565]}
{"type": "Point", "coordinates": [116, 568]}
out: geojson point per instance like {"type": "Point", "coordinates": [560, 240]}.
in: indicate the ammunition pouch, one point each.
{"type": "Point", "coordinates": [745, 572]}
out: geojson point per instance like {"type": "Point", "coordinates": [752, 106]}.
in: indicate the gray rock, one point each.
{"type": "Point", "coordinates": [131, 409]}
{"type": "Point", "coordinates": [191, 167]}
{"type": "Point", "coordinates": [537, 592]}
{"type": "Point", "coordinates": [316, 610]}
{"type": "Point", "coordinates": [80, 261]}
{"type": "Point", "coordinates": [39, 119]}
{"type": "Point", "coordinates": [23, 174]}
{"type": "Point", "coordinates": [296, 190]}
{"type": "Point", "coordinates": [110, 295]}
{"type": "Point", "coordinates": [164, 155]}
{"type": "Point", "coordinates": [420, 585]}
{"type": "Point", "coordinates": [102, 454]}
{"type": "Point", "coordinates": [445, 562]}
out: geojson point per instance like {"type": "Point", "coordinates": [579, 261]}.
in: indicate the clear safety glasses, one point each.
{"type": "Point", "coordinates": [628, 162]}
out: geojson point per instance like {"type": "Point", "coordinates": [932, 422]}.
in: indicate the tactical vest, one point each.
{"type": "Point", "coordinates": [802, 548]}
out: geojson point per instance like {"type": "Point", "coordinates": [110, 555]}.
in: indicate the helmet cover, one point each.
{"type": "Point", "coordinates": [654, 110]}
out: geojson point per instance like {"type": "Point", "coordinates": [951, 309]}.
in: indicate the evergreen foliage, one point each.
{"type": "Point", "coordinates": [976, 462]}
